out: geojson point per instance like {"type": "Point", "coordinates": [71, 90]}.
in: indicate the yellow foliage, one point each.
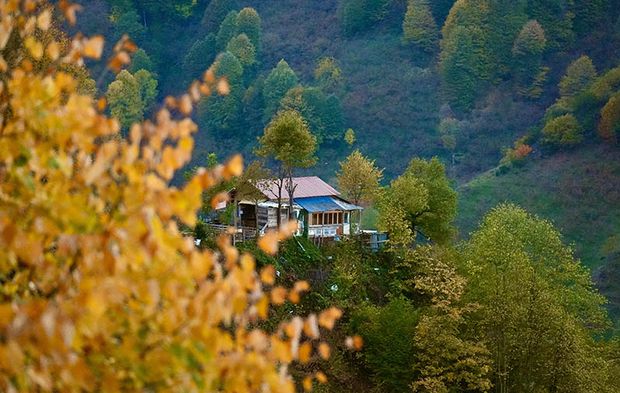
{"type": "Point", "coordinates": [99, 288]}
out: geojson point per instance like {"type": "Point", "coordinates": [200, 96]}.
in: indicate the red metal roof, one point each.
{"type": "Point", "coordinates": [308, 186]}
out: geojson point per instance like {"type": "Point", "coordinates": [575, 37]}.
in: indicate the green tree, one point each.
{"type": "Point", "coordinates": [359, 178]}
{"type": "Point", "coordinates": [125, 99]}
{"type": "Point", "coordinates": [349, 136]}
{"type": "Point", "coordinates": [359, 15]}
{"type": "Point", "coordinates": [220, 115]}
{"type": "Point", "coordinates": [538, 308]}
{"type": "Point", "coordinates": [579, 74]}
{"type": "Point", "coordinates": [147, 85]}
{"type": "Point", "coordinates": [141, 61]}
{"type": "Point", "coordinates": [527, 53]}
{"type": "Point", "coordinates": [389, 351]}
{"type": "Point", "coordinates": [288, 141]}
{"type": "Point", "coordinates": [242, 48]}
{"type": "Point", "coordinates": [249, 23]}
{"type": "Point", "coordinates": [127, 21]}
{"type": "Point", "coordinates": [215, 12]}
{"type": "Point", "coordinates": [227, 30]}
{"type": "Point", "coordinates": [279, 81]}
{"type": "Point", "coordinates": [464, 65]}
{"type": "Point", "coordinates": [328, 76]}
{"type": "Point", "coordinates": [556, 18]}
{"type": "Point", "coordinates": [199, 57]}
{"type": "Point", "coordinates": [563, 131]}
{"type": "Point", "coordinates": [449, 130]}
{"type": "Point", "coordinates": [322, 112]}
{"type": "Point", "coordinates": [609, 124]}
{"type": "Point", "coordinates": [419, 27]}
{"type": "Point", "coordinates": [420, 200]}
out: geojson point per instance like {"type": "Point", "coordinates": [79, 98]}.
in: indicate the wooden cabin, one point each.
{"type": "Point", "coordinates": [318, 207]}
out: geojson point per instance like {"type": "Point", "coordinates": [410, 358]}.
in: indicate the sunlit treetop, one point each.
{"type": "Point", "coordinates": [99, 289]}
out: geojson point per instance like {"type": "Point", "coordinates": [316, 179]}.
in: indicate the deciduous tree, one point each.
{"type": "Point", "coordinates": [579, 74]}
{"type": "Point", "coordinates": [564, 130]}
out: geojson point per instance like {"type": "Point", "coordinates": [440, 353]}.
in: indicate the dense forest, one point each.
{"type": "Point", "coordinates": [480, 136]}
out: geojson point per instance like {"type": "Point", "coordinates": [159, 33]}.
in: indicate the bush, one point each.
{"type": "Point", "coordinates": [563, 131]}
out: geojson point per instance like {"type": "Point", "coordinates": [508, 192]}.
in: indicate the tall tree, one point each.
{"type": "Point", "coordinates": [199, 57]}
{"type": "Point", "coordinates": [539, 309]}
{"type": "Point", "coordinates": [249, 23]}
{"type": "Point", "coordinates": [359, 178]}
{"type": "Point", "coordinates": [419, 27]}
{"type": "Point", "coordinates": [214, 14]}
{"type": "Point", "coordinates": [288, 141]}
{"type": "Point", "coordinates": [527, 53]}
{"type": "Point", "coordinates": [242, 48]}
{"type": "Point", "coordinates": [227, 30]}
{"type": "Point", "coordinates": [279, 81]}
{"type": "Point", "coordinates": [579, 74]}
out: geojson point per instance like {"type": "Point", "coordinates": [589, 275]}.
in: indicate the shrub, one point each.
{"type": "Point", "coordinates": [563, 131]}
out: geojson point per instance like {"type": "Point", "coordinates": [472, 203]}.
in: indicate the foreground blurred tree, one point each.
{"type": "Point", "coordinates": [100, 289]}
{"type": "Point", "coordinates": [579, 74]}
{"type": "Point", "coordinates": [419, 27]}
{"type": "Point", "coordinates": [288, 141]}
{"type": "Point", "coordinates": [539, 310]}
{"type": "Point", "coordinates": [279, 81]}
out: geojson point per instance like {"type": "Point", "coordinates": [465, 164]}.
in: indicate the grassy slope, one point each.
{"type": "Point", "coordinates": [579, 191]}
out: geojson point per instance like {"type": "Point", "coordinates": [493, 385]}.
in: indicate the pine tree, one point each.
{"type": "Point", "coordinates": [279, 81]}
{"type": "Point", "coordinates": [249, 23]}
{"type": "Point", "coordinates": [419, 27]}
{"type": "Point", "coordinates": [227, 30]}
{"type": "Point", "coordinates": [215, 13]}
{"type": "Point", "coordinates": [579, 74]}
{"type": "Point", "coordinates": [527, 54]}
{"type": "Point", "coordinates": [242, 48]}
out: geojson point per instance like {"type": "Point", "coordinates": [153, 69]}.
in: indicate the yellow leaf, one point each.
{"type": "Point", "coordinates": [307, 384]}
{"type": "Point", "coordinates": [267, 275]}
{"type": "Point", "coordinates": [34, 47]}
{"type": "Point", "coordinates": [93, 47]}
{"type": "Point", "coordinates": [324, 350]}
{"type": "Point", "coordinates": [223, 88]}
{"type": "Point", "coordinates": [278, 295]}
{"type": "Point", "coordinates": [44, 19]}
{"type": "Point", "coordinates": [269, 243]}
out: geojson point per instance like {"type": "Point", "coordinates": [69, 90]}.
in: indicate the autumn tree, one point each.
{"type": "Point", "coordinates": [279, 81]}
{"type": "Point", "coordinates": [328, 76]}
{"type": "Point", "coordinates": [539, 310]}
{"type": "Point", "coordinates": [561, 131]}
{"type": "Point", "coordinates": [579, 74]}
{"type": "Point", "coordinates": [101, 291]}
{"type": "Point", "coordinates": [288, 141]}
{"type": "Point", "coordinates": [419, 27]}
{"type": "Point", "coordinates": [609, 124]}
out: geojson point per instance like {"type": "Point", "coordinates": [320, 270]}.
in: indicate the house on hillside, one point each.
{"type": "Point", "coordinates": [319, 208]}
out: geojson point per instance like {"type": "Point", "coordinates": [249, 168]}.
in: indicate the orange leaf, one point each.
{"type": "Point", "coordinates": [93, 47]}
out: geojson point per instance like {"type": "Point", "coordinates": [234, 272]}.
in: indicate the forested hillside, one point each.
{"type": "Point", "coordinates": [478, 137]}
